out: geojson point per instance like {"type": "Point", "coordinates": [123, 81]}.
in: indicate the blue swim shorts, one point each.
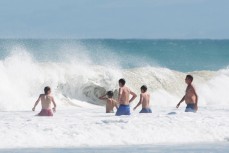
{"type": "Point", "coordinates": [146, 110]}
{"type": "Point", "coordinates": [123, 110]}
{"type": "Point", "coordinates": [190, 108]}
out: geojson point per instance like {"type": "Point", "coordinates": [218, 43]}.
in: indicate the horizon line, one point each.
{"type": "Point", "coordinates": [24, 38]}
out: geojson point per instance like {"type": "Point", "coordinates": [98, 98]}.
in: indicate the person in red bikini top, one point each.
{"type": "Point", "coordinates": [46, 102]}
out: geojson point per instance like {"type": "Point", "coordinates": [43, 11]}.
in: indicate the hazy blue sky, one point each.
{"type": "Point", "coordinates": [114, 19]}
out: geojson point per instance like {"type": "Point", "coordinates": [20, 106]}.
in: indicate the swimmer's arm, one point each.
{"type": "Point", "coordinates": [116, 104]}
{"type": "Point", "coordinates": [133, 96]}
{"type": "Point", "coordinates": [36, 103]}
{"type": "Point", "coordinates": [180, 102]}
{"type": "Point", "coordinates": [194, 90]}
{"type": "Point", "coordinates": [140, 102]}
{"type": "Point", "coordinates": [54, 103]}
{"type": "Point", "coordinates": [119, 95]}
{"type": "Point", "coordinates": [196, 102]}
{"type": "Point", "coordinates": [103, 97]}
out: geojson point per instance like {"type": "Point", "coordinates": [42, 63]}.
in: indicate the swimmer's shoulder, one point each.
{"type": "Point", "coordinates": [42, 95]}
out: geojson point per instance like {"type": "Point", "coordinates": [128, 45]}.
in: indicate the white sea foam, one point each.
{"type": "Point", "coordinates": [80, 127]}
{"type": "Point", "coordinates": [80, 121]}
{"type": "Point", "coordinates": [22, 79]}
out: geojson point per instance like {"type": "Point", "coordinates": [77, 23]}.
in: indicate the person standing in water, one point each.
{"type": "Point", "coordinates": [110, 102]}
{"type": "Point", "coordinates": [46, 101]}
{"type": "Point", "coordinates": [190, 97]}
{"type": "Point", "coordinates": [124, 98]}
{"type": "Point", "coordinates": [144, 100]}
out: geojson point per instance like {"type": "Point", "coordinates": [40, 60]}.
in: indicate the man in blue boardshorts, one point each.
{"type": "Point", "coordinates": [190, 97]}
{"type": "Point", "coordinates": [124, 98]}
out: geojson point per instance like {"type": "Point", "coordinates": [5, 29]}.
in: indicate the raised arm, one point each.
{"type": "Point", "coordinates": [54, 103]}
{"type": "Point", "coordinates": [103, 97]}
{"type": "Point", "coordinates": [140, 102]}
{"type": "Point", "coordinates": [133, 96]}
{"type": "Point", "coordinates": [38, 100]}
{"type": "Point", "coordinates": [180, 102]}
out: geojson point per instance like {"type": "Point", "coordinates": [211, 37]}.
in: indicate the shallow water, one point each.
{"type": "Point", "coordinates": [81, 71]}
{"type": "Point", "coordinates": [91, 127]}
{"type": "Point", "coordinates": [183, 148]}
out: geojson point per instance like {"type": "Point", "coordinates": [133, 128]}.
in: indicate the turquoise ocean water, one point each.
{"type": "Point", "coordinates": [81, 70]}
{"type": "Point", "coordinates": [180, 55]}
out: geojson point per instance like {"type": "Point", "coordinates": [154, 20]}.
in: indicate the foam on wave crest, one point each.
{"type": "Point", "coordinates": [22, 78]}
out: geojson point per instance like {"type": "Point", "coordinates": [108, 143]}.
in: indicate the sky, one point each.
{"type": "Point", "coordinates": [149, 19]}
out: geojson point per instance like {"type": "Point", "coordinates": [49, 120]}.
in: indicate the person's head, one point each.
{"type": "Point", "coordinates": [47, 90]}
{"type": "Point", "coordinates": [143, 88]}
{"type": "Point", "coordinates": [110, 94]}
{"type": "Point", "coordinates": [122, 82]}
{"type": "Point", "coordinates": [189, 79]}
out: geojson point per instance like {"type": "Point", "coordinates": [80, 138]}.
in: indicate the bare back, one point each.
{"type": "Point", "coordinates": [190, 96]}
{"type": "Point", "coordinates": [46, 101]}
{"type": "Point", "coordinates": [145, 99]}
{"type": "Point", "coordinates": [124, 95]}
{"type": "Point", "coordinates": [111, 103]}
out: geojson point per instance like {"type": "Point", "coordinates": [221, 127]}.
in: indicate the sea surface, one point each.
{"type": "Point", "coordinates": [193, 148]}
{"type": "Point", "coordinates": [180, 55]}
{"type": "Point", "coordinates": [79, 71]}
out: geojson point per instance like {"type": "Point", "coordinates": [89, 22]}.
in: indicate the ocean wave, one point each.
{"type": "Point", "coordinates": [22, 79]}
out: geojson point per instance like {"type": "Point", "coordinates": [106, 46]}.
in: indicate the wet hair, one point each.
{"type": "Point", "coordinates": [122, 81]}
{"type": "Point", "coordinates": [144, 88]}
{"type": "Point", "coordinates": [47, 89]}
{"type": "Point", "coordinates": [110, 94]}
{"type": "Point", "coordinates": [189, 77]}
